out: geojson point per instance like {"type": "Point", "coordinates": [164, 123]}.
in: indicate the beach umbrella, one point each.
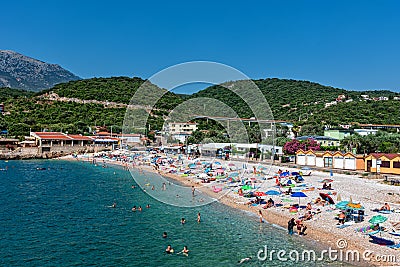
{"type": "Point", "coordinates": [220, 171]}
{"type": "Point", "coordinates": [259, 194]}
{"type": "Point", "coordinates": [342, 205]}
{"type": "Point", "coordinates": [192, 166]}
{"type": "Point", "coordinates": [327, 197]}
{"type": "Point", "coordinates": [377, 219]}
{"type": "Point", "coordinates": [272, 193]}
{"type": "Point", "coordinates": [299, 195]}
{"type": "Point", "coordinates": [355, 206]}
{"type": "Point", "coordinates": [246, 187]}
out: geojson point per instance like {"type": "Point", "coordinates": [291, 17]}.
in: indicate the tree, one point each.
{"type": "Point", "coordinates": [292, 146]}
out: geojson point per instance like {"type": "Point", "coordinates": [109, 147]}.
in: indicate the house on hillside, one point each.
{"type": "Point", "coordinates": [339, 134]}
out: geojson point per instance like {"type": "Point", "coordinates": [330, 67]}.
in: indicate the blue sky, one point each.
{"type": "Point", "coordinates": [346, 44]}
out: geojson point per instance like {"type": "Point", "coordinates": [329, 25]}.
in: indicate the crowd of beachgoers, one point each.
{"type": "Point", "coordinates": [325, 206]}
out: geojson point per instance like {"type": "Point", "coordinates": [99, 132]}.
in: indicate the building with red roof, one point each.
{"type": "Point", "coordinates": [60, 139]}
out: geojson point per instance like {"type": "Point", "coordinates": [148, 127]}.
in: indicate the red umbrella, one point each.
{"type": "Point", "coordinates": [259, 194]}
{"type": "Point", "coordinates": [327, 197]}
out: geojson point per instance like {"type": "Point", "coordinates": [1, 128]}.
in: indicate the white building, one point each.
{"type": "Point", "coordinates": [179, 127]}
{"type": "Point", "coordinates": [365, 132]}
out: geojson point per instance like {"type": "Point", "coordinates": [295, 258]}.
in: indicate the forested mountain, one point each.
{"type": "Point", "coordinates": [25, 111]}
{"type": "Point", "coordinates": [300, 102]}
{"type": "Point", "coordinates": [22, 72]}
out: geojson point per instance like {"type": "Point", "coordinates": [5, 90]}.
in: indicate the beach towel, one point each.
{"type": "Point", "coordinates": [364, 229]}
{"type": "Point", "coordinates": [397, 246]}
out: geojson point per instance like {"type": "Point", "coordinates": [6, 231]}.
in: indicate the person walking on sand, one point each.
{"type": "Point", "coordinates": [291, 224]}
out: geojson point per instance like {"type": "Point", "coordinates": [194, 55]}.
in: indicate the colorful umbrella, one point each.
{"type": "Point", "coordinates": [327, 198]}
{"type": "Point", "coordinates": [377, 219]}
{"type": "Point", "coordinates": [272, 193]}
{"type": "Point", "coordinates": [259, 194]}
{"type": "Point", "coordinates": [342, 205]}
{"type": "Point", "coordinates": [299, 195]}
{"type": "Point", "coordinates": [220, 170]}
{"type": "Point", "coordinates": [355, 206]}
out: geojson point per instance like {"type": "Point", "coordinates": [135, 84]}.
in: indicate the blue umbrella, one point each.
{"type": "Point", "coordinates": [299, 195]}
{"type": "Point", "coordinates": [272, 193]}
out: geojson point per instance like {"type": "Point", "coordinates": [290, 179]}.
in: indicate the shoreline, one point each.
{"type": "Point", "coordinates": [325, 237]}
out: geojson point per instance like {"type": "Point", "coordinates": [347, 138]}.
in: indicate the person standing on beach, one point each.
{"type": "Point", "coordinates": [261, 216]}
{"type": "Point", "coordinates": [193, 189]}
{"type": "Point", "coordinates": [291, 224]}
{"type": "Point", "coordinates": [164, 186]}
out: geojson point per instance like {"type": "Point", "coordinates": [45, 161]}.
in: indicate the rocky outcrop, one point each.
{"type": "Point", "coordinates": [22, 72]}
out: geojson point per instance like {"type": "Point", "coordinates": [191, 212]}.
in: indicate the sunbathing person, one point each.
{"type": "Point", "coordinates": [308, 216]}
{"type": "Point", "coordinates": [342, 218]}
{"type": "Point", "coordinates": [385, 207]}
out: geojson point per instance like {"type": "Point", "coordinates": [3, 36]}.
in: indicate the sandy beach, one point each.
{"type": "Point", "coordinates": [371, 194]}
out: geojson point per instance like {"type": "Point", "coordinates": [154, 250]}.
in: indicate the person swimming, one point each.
{"type": "Point", "coordinates": [169, 250]}
{"type": "Point", "coordinates": [148, 206]}
{"type": "Point", "coordinates": [185, 251]}
{"type": "Point", "coordinates": [244, 260]}
{"type": "Point", "coordinates": [140, 208]}
{"type": "Point", "coordinates": [164, 235]}
{"type": "Point", "coordinates": [134, 208]}
{"type": "Point", "coordinates": [183, 221]}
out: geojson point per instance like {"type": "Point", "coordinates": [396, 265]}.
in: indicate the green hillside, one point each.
{"type": "Point", "coordinates": [8, 93]}
{"type": "Point", "coordinates": [300, 102]}
{"type": "Point", "coordinates": [26, 111]}
{"type": "Point", "coordinates": [115, 89]}
{"type": "Point", "coordinates": [303, 101]}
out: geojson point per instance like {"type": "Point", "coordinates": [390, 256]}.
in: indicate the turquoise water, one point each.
{"type": "Point", "coordinates": [61, 216]}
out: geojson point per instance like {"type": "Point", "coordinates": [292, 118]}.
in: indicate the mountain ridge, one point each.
{"type": "Point", "coordinates": [22, 72]}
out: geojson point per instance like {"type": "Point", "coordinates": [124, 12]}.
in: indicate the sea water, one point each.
{"type": "Point", "coordinates": [58, 213]}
